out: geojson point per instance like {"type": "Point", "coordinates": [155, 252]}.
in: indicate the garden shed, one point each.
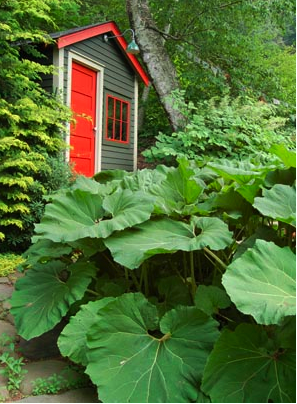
{"type": "Point", "coordinates": [98, 80]}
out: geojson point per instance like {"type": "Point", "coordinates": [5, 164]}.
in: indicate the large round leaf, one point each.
{"type": "Point", "coordinates": [279, 202]}
{"type": "Point", "coordinates": [72, 341]}
{"type": "Point", "coordinates": [262, 282]}
{"type": "Point", "coordinates": [211, 298]}
{"type": "Point", "coordinates": [246, 178]}
{"type": "Point", "coordinates": [130, 363]}
{"type": "Point", "coordinates": [143, 180]}
{"type": "Point", "coordinates": [287, 156]}
{"type": "Point", "coordinates": [71, 217]}
{"type": "Point", "coordinates": [244, 367]}
{"type": "Point", "coordinates": [46, 293]}
{"type": "Point", "coordinates": [132, 246]}
{"type": "Point", "coordinates": [45, 250]}
{"type": "Point", "coordinates": [93, 187]}
{"type": "Point", "coordinates": [179, 191]}
{"type": "Point", "coordinates": [211, 232]}
{"type": "Point", "coordinates": [241, 172]}
{"type": "Point", "coordinates": [80, 214]}
{"type": "Point", "coordinates": [174, 292]}
{"type": "Point", "coordinates": [126, 209]}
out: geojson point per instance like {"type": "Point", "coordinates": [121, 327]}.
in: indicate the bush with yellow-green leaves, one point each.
{"type": "Point", "coordinates": [32, 125]}
{"type": "Point", "coordinates": [9, 263]}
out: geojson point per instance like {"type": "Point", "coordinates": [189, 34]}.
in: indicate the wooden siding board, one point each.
{"type": "Point", "coordinates": [117, 164]}
{"type": "Point", "coordinates": [121, 156]}
{"type": "Point", "coordinates": [104, 53]}
{"type": "Point", "coordinates": [118, 92]}
{"type": "Point", "coordinates": [47, 82]}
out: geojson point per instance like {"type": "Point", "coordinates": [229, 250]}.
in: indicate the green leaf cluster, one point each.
{"type": "Point", "coordinates": [177, 285]}
{"type": "Point", "coordinates": [32, 123]}
{"type": "Point", "coordinates": [235, 128]}
{"type": "Point", "coordinates": [235, 47]}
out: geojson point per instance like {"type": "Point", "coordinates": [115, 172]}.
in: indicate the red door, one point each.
{"type": "Point", "coordinates": [83, 105]}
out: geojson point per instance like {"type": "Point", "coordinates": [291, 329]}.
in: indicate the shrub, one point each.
{"type": "Point", "coordinates": [32, 125]}
{"type": "Point", "coordinates": [9, 263]}
{"type": "Point", "coordinates": [225, 128]}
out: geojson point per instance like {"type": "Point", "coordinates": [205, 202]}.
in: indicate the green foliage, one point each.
{"type": "Point", "coordinates": [58, 279]}
{"type": "Point", "coordinates": [156, 363]}
{"type": "Point", "coordinates": [11, 367]}
{"type": "Point", "coordinates": [234, 47]}
{"type": "Point", "coordinates": [211, 298]}
{"type": "Point", "coordinates": [189, 293]}
{"type": "Point", "coordinates": [278, 203]}
{"type": "Point", "coordinates": [217, 48]}
{"type": "Point", "coordinates": [32, 125]}
{"type": "Point", "coordinates": [248, 366]}
{"type": "Point", "coordinates": [58, 382]}
{"type": "Point", "coordinates": [50, 385]}
{"type": "Point", "coordinates": [231, 128]}
{"type": "Point", "coordinates": [9, 263]}
{"type": "Point", "coordinates": [262, 282]}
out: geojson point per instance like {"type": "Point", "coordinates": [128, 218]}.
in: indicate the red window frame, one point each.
{"type": "Point", "coordinates": [117, 120]}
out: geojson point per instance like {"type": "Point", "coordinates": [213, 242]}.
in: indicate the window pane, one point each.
{"type": "Point", "coordinates": [110, 129]}
{"type": "Point", "coordinates": [125, 112]}
{"type": "Point", "coordinates": [110, 107]}
{"type": "Point", "coordinates": [117, 123]}
{"type": "Point", "coordinates": [117, 134]}
{"type": "Point", "coordinates": [124, 132]}
{"type": "Point", "coordinates": [118, 109]}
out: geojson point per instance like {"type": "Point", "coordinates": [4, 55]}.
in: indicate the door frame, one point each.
{"type": "Point", "coordinates": [99, 69]}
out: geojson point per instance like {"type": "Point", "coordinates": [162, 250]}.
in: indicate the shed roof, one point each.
{"type": "Point", "coordinates": [71, 36]}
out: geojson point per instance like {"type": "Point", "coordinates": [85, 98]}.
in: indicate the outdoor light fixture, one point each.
{"type": "Point", "coordinates": [132, 46]}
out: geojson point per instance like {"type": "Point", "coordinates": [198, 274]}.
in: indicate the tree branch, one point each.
{"type": "Point", "coordinates": [183, 38]}
{"type": "Point", "coordinates": [229, 4]}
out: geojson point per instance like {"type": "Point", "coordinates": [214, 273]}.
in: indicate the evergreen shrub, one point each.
{"type": "Point", "coordinates": [32, 126]}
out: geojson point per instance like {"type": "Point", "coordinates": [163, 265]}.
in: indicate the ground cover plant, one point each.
{"type": "Point", "coordinates": [178, 283]}
{"type": "Point", "coordinates": [9, 262]}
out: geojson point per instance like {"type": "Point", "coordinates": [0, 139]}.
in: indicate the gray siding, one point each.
{"type": "Point", "coordinates": [46, 79]}
{"type": "Point", "coordinates": [119, 82]}
{"type": "Point", "coordinates": [47, 82]}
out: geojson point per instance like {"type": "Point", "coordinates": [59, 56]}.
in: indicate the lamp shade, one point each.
{"type": "Point", "coordinates": [133, 48]}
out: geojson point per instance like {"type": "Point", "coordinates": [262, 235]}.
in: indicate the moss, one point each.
{"type": "Point", "coordinates": [9, 263]}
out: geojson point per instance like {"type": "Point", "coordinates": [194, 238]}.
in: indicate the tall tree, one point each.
{"type": "Point", "coordinates": [159, 65]}
{"type": "Point", "coordinates": [213, 47]}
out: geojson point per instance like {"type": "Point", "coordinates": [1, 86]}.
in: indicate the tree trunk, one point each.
{"type": "Point", "coordinates": [141, 109]}
{"type": "Point", "coordinates": [159, 66]}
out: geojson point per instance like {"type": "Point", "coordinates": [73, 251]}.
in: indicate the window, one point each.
{"type": "Point", "coordinates": [117, 120]}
